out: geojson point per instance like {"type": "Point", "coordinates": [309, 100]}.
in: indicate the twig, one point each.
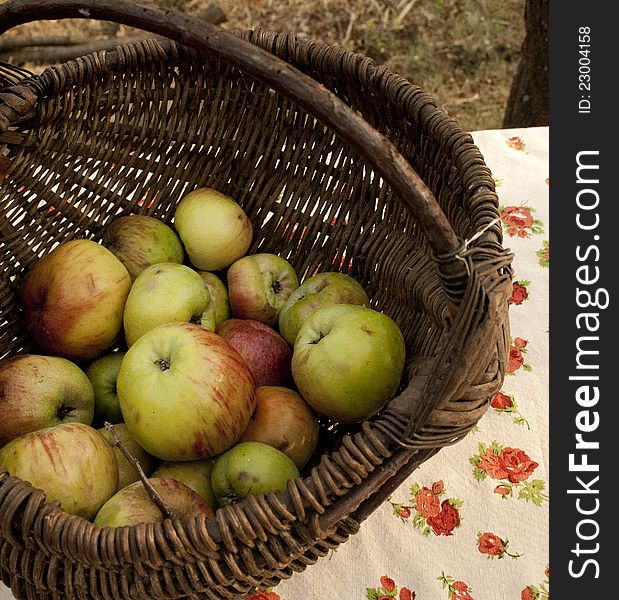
{"type": "Point", "coordinates": [58, 54]}
{"type": "Point", "coordinates": [43, 50]}
{"type": "Point", "coordinates": [353, 18]}
{"type": "Point", "coordinates": [152, 492]}
{"type": "Point", "coordinates": [14, 42]}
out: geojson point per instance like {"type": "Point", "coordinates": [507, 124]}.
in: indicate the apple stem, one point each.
{"type": "Point", "coordinates": [152, 492]}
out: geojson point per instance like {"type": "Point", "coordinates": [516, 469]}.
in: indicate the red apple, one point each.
{"type": "Point", "coordinates": [70, 462]}
{"type": "Point", "coordinates": [282, 419]}
{"type": "Point", "coordinates": [42, 391]}
{"type": "Point", "coordinates": [73, 300]}
{"type": "Point", "coordinates": [266, 353]}
{"type": "Point", "coordinates": [133, 505]}
{"type": "Point", "coordinates": [259, 285]}
{"type": "Point", "coordinates": [184, 392]}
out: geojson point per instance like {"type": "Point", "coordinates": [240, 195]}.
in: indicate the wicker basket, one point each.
{"type": "Point", "coordinates": [341, 165]}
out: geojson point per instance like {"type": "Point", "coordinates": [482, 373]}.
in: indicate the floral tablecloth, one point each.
{"type": "Point", "coordinates": [472, 522]}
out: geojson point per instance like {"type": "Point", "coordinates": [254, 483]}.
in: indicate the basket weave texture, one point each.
{"type": "Point", "coordinates": [132, 131]}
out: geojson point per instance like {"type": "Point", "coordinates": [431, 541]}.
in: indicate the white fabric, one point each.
{"type": "Point", "coordinates": [451, 567]}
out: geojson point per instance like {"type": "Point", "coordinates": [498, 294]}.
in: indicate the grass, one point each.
{"type": "Point", "coordinates": [463, 52]}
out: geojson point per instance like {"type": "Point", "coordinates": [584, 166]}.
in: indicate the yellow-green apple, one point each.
{"type": "Point", "coordinates": [184, 392]}
{"type": "Point", "coordinates": [250, 468]}
{"type": "Point", "coordinates": [322, 289]}
{"type": "Point", "coordinates": [266, 353]}
{"type": "Point", "coordinates": [73, 300]}
{"type": "Point", "coordinates": [166, 293]}
{"type": "Point", "coordinates": [347, 361]}
{"type": "Point", "coordinates": [133, 505]}
{"type": "Point", "coordinates": [126, 471]}
{"type": "Point", "coordinates": [220, 305]}
{"type": "Point", "coordinates": [213, 228]}
{"type": "Point", "coordinates": [70, 462]}
{"type": "Point", "coordinates": [42, 391]}
{"type": "Point", "coordinates": [259, 285]}
{"type": "Point", "coordinates": [282, 419]}
{"type": "Point", "coordinates": [140, 241]}
{"type": "Point", "coordinates": [102, 373]}
{"type": "Point", "coordinates": [195, 473]}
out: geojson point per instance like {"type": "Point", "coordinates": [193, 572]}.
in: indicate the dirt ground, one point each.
{"type": "Point", "coordinates": [463, 52]}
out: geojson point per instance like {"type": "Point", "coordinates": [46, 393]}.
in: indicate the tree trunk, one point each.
{"type": "Point", "coordinates": [528, 102]}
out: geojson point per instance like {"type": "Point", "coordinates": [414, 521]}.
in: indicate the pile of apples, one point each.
{"type": "Point", "coordinates": [177, 373]}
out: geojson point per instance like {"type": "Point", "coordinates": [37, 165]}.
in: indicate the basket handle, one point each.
{"type": "Point", "coordinates": [380, 153]}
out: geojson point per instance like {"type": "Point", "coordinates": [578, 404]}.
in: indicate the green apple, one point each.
{"type": "Point", "coordinates": [250, 468]}
{"type": "Point", "coordinates": [185, 393]}
{"type": "Point", "coordinates": [126, 471]}
{"type": "Point", "coordinates": [42, 391]}
{"type": "Point", "coordinates": [132, 504]}
{"type": "Point", "coordinates": [213, 228]}
{"type": "Point", "coordinates": [70, 462]}
{"type": "Point", "coordinates": [196, 474]}
{"type": "Point", "coordinates": [102, 373]}
{"type": "Point", "coordinates": [140, 241]}
{"type": "Point", "coordinates": [322, 289]}
{"type": "Point", "coordinates": [282, 419]}
{"type": "Point", "coordinates": [259, 285]}
{"type": "Point", "coordinates": [347, 361]}
{"type": "Point", "coordinates": [73, 300]}
{"type": "Point", "coordinates": [166, 293]}
{"type": "Point", "coordinates": [220, 304]}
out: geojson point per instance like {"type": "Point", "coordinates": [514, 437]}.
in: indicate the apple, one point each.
{"type": "Point", "coordinates": [184, 392]}
{"type": "Point", "coordinates": [42, 391]}
{"type": "Point", "coordinates": [322, 289]}
{"type": "Point", "coordinates": [70, 462]}
{"type": "Point", "coordinates": [132, 504]}
{"type": "Point", "coordinates": [259, 285]}
{"type": "Point", "coordinates": [347, 361]}
{"type": "Point", "coordinates": [102, 373]}
{"type": "Point", "coordinates": [250, 468]}
{"type": "Point", "coordinates": [213, 228]}
{"type": "Point", "coordinates": [195, 473]}
{"type": "Point", "coordinates": [165, 293]}
{"type": "Point", "coordinates": [220, 305]}
{"type": "Point", "coordinates": [126, 471]}
{"type": "Point", "coordinates": [266, 353]}
{"type": "Point", "coordinates": [73, 300]}
{"type": "Point", "coordinates": [282, 419]}
{"type": "Point", "coordinates": [140, 241]}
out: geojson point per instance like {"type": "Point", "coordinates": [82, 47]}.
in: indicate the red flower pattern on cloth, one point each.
{"type": "Point", "coordinates": [504, 403]}
{"type": "Point", "coordinates": [519, 292]}
{"type": "Point", "coordinates": [513, 467]}
{"type": "Point", "coordinates": [518, 221]}
{"type": "Point", "coordinates": [517, 350]}
{"type": "Point", "coordinates": [515, 142]}
{"type": "Point", "coordinates": [388, 589]}
{"type": "Point", "coordinates": [428, 512]}
{"type": "Point", "coordinates": [541, 591]}
{"type": "Point", "coordinates": [493, 546]}
{"type": "Point", "coordinates": [456, 589]}
{"type": "Point", "coordinates": [264, 595]}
